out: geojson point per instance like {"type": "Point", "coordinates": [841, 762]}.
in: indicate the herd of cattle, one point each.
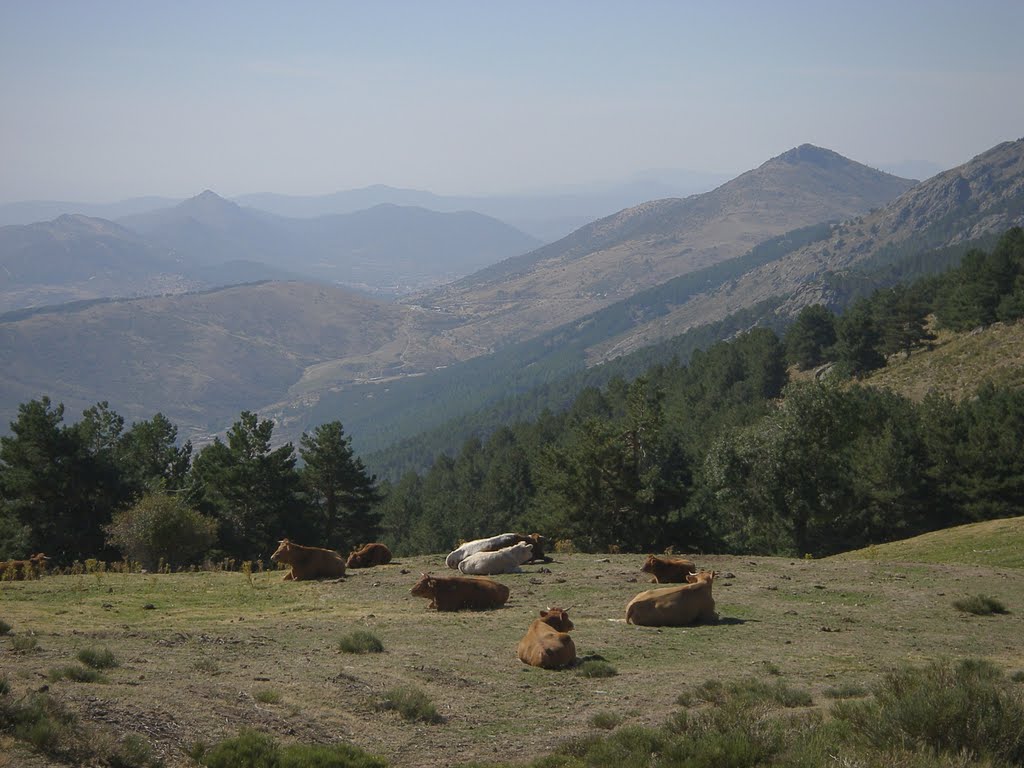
{"type": "Point", "coordinates": [547, 642]}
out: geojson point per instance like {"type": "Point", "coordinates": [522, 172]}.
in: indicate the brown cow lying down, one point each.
{"type": "Point", "coordinates": [453, 593]}
{"type": "Point", "coordinates": [675, 606]}
{"type": "Point", "coordinates": [19, 570]}
{"type": "Point", "coordinates": [668, 570]}
{"type": "Point", "coordinates": [368, 556]}
{"type": "Point", "coordinates": [547, 643]}
{"type": "Point", "coordinates": [505, 560]}
{"type": "Point", "coordinates": [308, 562]}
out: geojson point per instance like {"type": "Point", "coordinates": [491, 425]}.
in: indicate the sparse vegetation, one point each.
{"type": "Point", "coordinates": [267, 696]}
{"type": "Point", "coordinates": [361, 641]}
{"type": "Point", "coordinates": [97, 658]}
{"type": "Point", "coordinates": [606, 720]}
{"type": "Point", "coordinates": [76, 674]}
{"type": "Point", "coordinates": [411, 703]}
{"type": "Point", "coordinates": [846, 691]}
{"type": "Point", "coordinates": [596, 668]}
{"type": "Point", "coordinates": [24, 643]}
{"type": "Point", "coordinates": [208, 666]}
{"type": "Point", "coordinates": [251, 749]}
{"type": "Point", "coordinates": [4, 627]}
{"type": "Point", "coordinates": [980, 605]}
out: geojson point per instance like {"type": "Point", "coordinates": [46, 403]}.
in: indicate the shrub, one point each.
{"type": "Point", "coordinates": [606, 720]}
{"type": "Point", "coordinates": [268, 696]}
{"type": "Point", "coordinates": [595, 668]}
{"type": "Point", "coordinates": [161, 527]}
{"type": "Point", "coordinates": [257, 750]}
{"type": "Point", "coordinates": [5, 687]}
{"type": "Point", "coordinates": [209, 666]}
{"type": "Point", "coordinates": [1018, 676]}
{"type": "Point", "coordinates": [133, 752]}
{"type": "Point", "coordinates": [4, 627]}
{"type": "Point", "coordinates": [76, 674]}
{"type": "Point", "coordinates": [41, 721]}
{"type": "Point", "coordinates": [748, 692]}
{"type": "Point", "coordinates": [846, 691]}
{"type": "Point", "coordinates": [361, 641]}
{"type": "Point", "coordinates": [24, 643]}
{"type": "Point", "coordinates": [967, 708]}
{"type": "Point", "coordinates": [411, 703]}
{"type": "Point", "coordinates": [980, 605]}
{"type": "Point", "coordinates": [97, 658]}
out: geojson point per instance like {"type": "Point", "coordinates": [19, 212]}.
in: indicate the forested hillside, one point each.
{"type": "Point", "coordinates": [720, 453]}
{"type": "Point", "coordinates": [723, 455]}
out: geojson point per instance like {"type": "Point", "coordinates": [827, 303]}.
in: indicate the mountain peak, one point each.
{"type": "Point", "coordinates": [207, 202]}
{"type": "Point", "coordinates": [808, 153]}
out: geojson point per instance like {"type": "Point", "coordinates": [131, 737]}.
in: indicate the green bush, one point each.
{"type": "Point", "coordinates": [966, 708]}
{"type": "Point", "coordinates": [846, 691]}
{"type": "Point", "coordinates": [4, 627]}
{"type": "Point", "coordinates": [97, 658]}
{"type": "Point", "coordinates": [594, 668]}
{"type": "Point", "coordinates": [411, 703]}
{"type": "Point", "coordinates": [268, 696]}
{"type": "Point", "coordinates": [24, 643]}
{"type": "Point", "coordinates": [251, 749]}
{"type": "Point", "coordinates": [980, 605]}
{"type": "Point", "coordinates": [161, 527]}
{"type": "Point", "coordinates": [133, 752]}
{"type": "Point", "coordinates": [606, 720]}
{"type": "Point", "coordinates": [361, 641]}
{"type": "Point", "coordinates": [41, 721]}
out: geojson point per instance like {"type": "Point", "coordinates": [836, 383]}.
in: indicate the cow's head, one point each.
{"type": "Point", "coordinates": [425, 587]}
{"type": "Point", "coordinates": [557, 618]}
{"type": "Point", "coordinates": [39, 559]}
{"type": "Point", "coordinates": [649, 564]}
{"type": "Point", "coordinates": [694, 578]}
{"type": "Point", "coordinates": [284, 547]}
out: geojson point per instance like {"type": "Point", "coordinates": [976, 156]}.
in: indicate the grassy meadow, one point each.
{"type": "Point", "coordinates": [177, 659]}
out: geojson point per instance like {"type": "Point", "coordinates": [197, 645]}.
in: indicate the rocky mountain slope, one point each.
{"type": "Point", "coordinates": [983, 196]}
{"type": "Point", "coordinates": [644, 246]}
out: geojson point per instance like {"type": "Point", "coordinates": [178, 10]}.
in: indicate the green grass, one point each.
{"type": "Point", "coordinates": [749, 692]}
{"type": "Point", "coordinates": [980, 605]}
{"type": "Point", "coordinates": [846, 691]}
{"type": "Point", "coordinates": [97, 658]}
{"type": "Point", "coordinates": [994, 543]}
{"type": "Point", "coordinates": [411, 703]}
{"type": "Point", "coordinates": [361, 641]}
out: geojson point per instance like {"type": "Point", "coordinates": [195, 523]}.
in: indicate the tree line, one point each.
{"type": "Point", "coordinates": [99, 489]}
{"type": "Point", "coordinates": [722, 453]}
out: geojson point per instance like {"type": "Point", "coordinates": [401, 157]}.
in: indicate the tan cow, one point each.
{"type": "Point", "coordinates": [688, 603]}
{"type": "Point", "coordinates": [547, 643]}
{"type": "Point", "coordinates": [668, 570]}
{"type": "Point", "coordinates": [506, 560]}
{"type": "Point", "coordinates": [308, 562]}
{"type": "Point", "coordinates": [453, 593]}
{"type": "Point", "coordinates": [19, 570]}
{"type": "Point", "coordinates": [368, 556]}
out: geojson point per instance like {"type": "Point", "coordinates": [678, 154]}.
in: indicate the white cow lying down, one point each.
{"type": "Point", "coordinates": [480, 545]}
{"type": "Point", "coordinates": [506, 560]}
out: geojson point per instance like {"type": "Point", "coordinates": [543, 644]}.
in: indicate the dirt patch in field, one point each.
{"type": "Point", "coordinates": [216, 653]}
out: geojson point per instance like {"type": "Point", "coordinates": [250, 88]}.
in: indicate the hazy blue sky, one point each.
{"type": "Point", "coordinates": [106, 100]}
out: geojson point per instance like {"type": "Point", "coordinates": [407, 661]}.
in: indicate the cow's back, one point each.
{"type": "Point", "coordinates": [672, 606]}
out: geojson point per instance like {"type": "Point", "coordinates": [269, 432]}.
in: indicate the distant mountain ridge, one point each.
{"type": "Point", "coordinates": [208, 241]}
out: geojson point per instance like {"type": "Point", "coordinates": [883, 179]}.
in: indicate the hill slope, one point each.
{"type": "Point", "coordinates": [644, 246]}
{"type": "Point", "coordinates": [198, 358]}
{"type": "Point", "coordinates": [982, 196]}
{"type": "Point", "coordinates": [992, 543]}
